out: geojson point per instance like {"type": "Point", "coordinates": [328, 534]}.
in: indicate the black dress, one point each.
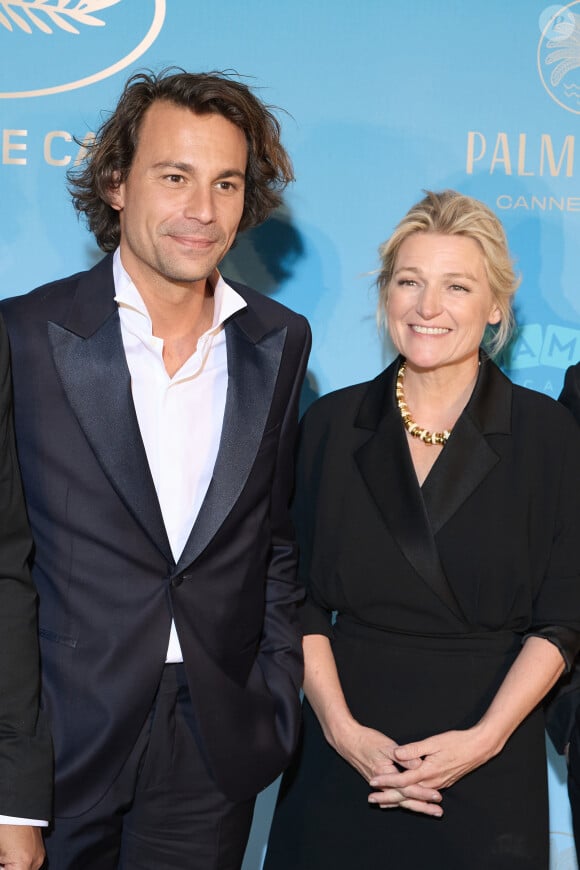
{"type": "Point", "coordinates": [434, 589]}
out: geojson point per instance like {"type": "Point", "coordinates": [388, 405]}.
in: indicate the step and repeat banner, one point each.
{"type": "Point", "coordinates": [378, 100]}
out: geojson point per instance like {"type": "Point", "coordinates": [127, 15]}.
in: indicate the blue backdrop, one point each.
{"type": "Point", "coordinates": [382, 98]}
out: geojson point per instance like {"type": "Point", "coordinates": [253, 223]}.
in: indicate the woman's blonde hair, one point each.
{"type": "Point", "coordinates": [451, 213]}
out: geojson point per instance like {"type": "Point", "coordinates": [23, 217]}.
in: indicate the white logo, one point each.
{"type": "Point", "coordinates": [49, 17]}
{"type": "Point", "coordinates": [559, 55]}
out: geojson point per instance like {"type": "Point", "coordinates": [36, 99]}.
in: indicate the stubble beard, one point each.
{"type": "Point", "coordinates": [189, 270]}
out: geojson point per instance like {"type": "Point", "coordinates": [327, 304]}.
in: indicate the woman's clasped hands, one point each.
{"type": "Point", "coordinates": [428, 766]}
{"type": "Point", "coordinates": [372, 754]}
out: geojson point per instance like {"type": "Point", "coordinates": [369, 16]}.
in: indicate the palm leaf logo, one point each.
{"type": "Point", "coordinates": [41, 14]}
{"type": "Point", "coordinates": [567, 55]}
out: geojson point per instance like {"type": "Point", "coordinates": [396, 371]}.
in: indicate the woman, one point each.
{"type": "Point", "coordinates": [438, 513]}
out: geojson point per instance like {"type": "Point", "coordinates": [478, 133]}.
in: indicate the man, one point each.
{"type": "Point", "coordinates": [563, 709]}
{"type": "Point", "coordinates": [25, 750]}
{"type": "Point", "coordinates": [156, 409]}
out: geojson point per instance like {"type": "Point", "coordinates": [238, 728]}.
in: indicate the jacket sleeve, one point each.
{"type": "Point", "coordinates": [25, 746]}
{"type": "Point", "coordinates": [570, 395]}
{"type": "Point", "coordinates": [310, 507]}
{"type": "Point", "coordinates": [280, 652]}
{"type": "Point", "coordinates": [563, 704]}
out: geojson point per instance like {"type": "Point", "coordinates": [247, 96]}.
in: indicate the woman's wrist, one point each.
{"type": "Point", "coordinates": [339, 728]}
{"type": "Point", "coordinates": [489, 738]}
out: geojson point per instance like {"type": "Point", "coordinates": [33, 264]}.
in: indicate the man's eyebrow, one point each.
{"type": "Point", "coordinates": [228, 173]}
{"type": "Point", "coordinates": [173, 164]}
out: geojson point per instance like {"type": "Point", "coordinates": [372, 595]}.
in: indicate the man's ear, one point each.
{"type": "Point", "coordinates": [116, 191]}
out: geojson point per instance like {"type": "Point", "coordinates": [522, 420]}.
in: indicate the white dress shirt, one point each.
{"type": "Point", "coordinates": [180, 417]}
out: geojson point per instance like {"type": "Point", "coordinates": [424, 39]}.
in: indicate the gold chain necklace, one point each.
{"type": "Point", "coordinates": [408, 422]}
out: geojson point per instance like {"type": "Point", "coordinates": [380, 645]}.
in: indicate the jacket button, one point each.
{"type": "Point", "coordinates": [177, 581]}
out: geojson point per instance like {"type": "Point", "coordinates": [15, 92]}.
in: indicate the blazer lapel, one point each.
{"type": "Point", "coordinates": [253, 364]}
{"type": "Point", "coordinates": [89, 357]}
{"type": "Point", "coordinates": [468, 458]}
{"type": "Point", "coordinates": [385, 464]}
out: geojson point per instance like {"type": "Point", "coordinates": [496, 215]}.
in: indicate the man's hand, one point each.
{"type": "Point", "coordinates": [21, 847]}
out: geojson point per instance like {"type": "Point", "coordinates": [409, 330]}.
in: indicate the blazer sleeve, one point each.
{"type": "Point", "coordinates": [25, 746]}
{"type": "Point", "coordinates": [556, 614]}
{"type": "Point", "coordinates": [570, 395]}
{"type": "Point", "coordinates": [312, 506]}
{"type": "Point", "coordinates": [280, 652]}
{"type": "Point", "coordinates": [562, 706]}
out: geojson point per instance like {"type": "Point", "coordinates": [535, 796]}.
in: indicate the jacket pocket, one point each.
{"type": "Point", "coordinates": [63, 639]}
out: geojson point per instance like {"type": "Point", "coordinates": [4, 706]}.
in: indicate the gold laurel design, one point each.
{"type": "Point", "coordinates": [25, 14]}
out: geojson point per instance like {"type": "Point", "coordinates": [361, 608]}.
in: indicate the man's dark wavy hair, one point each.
{"type": "Point", "coordinates": [110, 155]}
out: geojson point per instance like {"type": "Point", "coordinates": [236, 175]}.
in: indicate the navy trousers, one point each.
{"type": "Point", "coordinates": [164, 812]}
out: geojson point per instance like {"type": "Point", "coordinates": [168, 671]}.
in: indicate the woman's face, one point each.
{"type": "Point", "coordinates": [439, 300]}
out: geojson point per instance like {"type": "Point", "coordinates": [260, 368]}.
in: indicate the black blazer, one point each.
{"type": "Point", "coordinates": [563, 707]}
{"type": "Point", "coordinates": [570, 395]}
{"type": "Point", "coordinates": [25, 749]}
{"type": "Point", "coordinates": [489, 543]}
{"type": "Point", "coordinates": [107, 582]}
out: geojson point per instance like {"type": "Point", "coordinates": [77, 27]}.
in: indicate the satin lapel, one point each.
{"type": "Point", "coordinates": [464, 464]}
{"type": "Point", "coordinates": [468, 458]}
{"type": "Point", "coordinates": [95, 377]}
{"type": "Point", "coordinates": [385, 464]}
{"type": "Point", "coordinates": [252, 374]}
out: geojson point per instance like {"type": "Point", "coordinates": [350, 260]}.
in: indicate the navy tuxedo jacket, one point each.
{"type": "Point", "coordinates": [108, 585]}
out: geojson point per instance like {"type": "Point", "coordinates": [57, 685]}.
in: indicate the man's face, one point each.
{"type": "Point", "coordinates": [182, 201]}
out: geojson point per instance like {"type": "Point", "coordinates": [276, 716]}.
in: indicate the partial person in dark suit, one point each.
{"type": "Point", "coordinates": [156, 409]}
{"type": "Point", "coordinates": [25, 749]}
{"type": "Point", "coordinates": [563, 709]}
{"type": "Point", "coordinates": [438, 513]}
{"type": "Point", "coordinates": [570, 395]}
